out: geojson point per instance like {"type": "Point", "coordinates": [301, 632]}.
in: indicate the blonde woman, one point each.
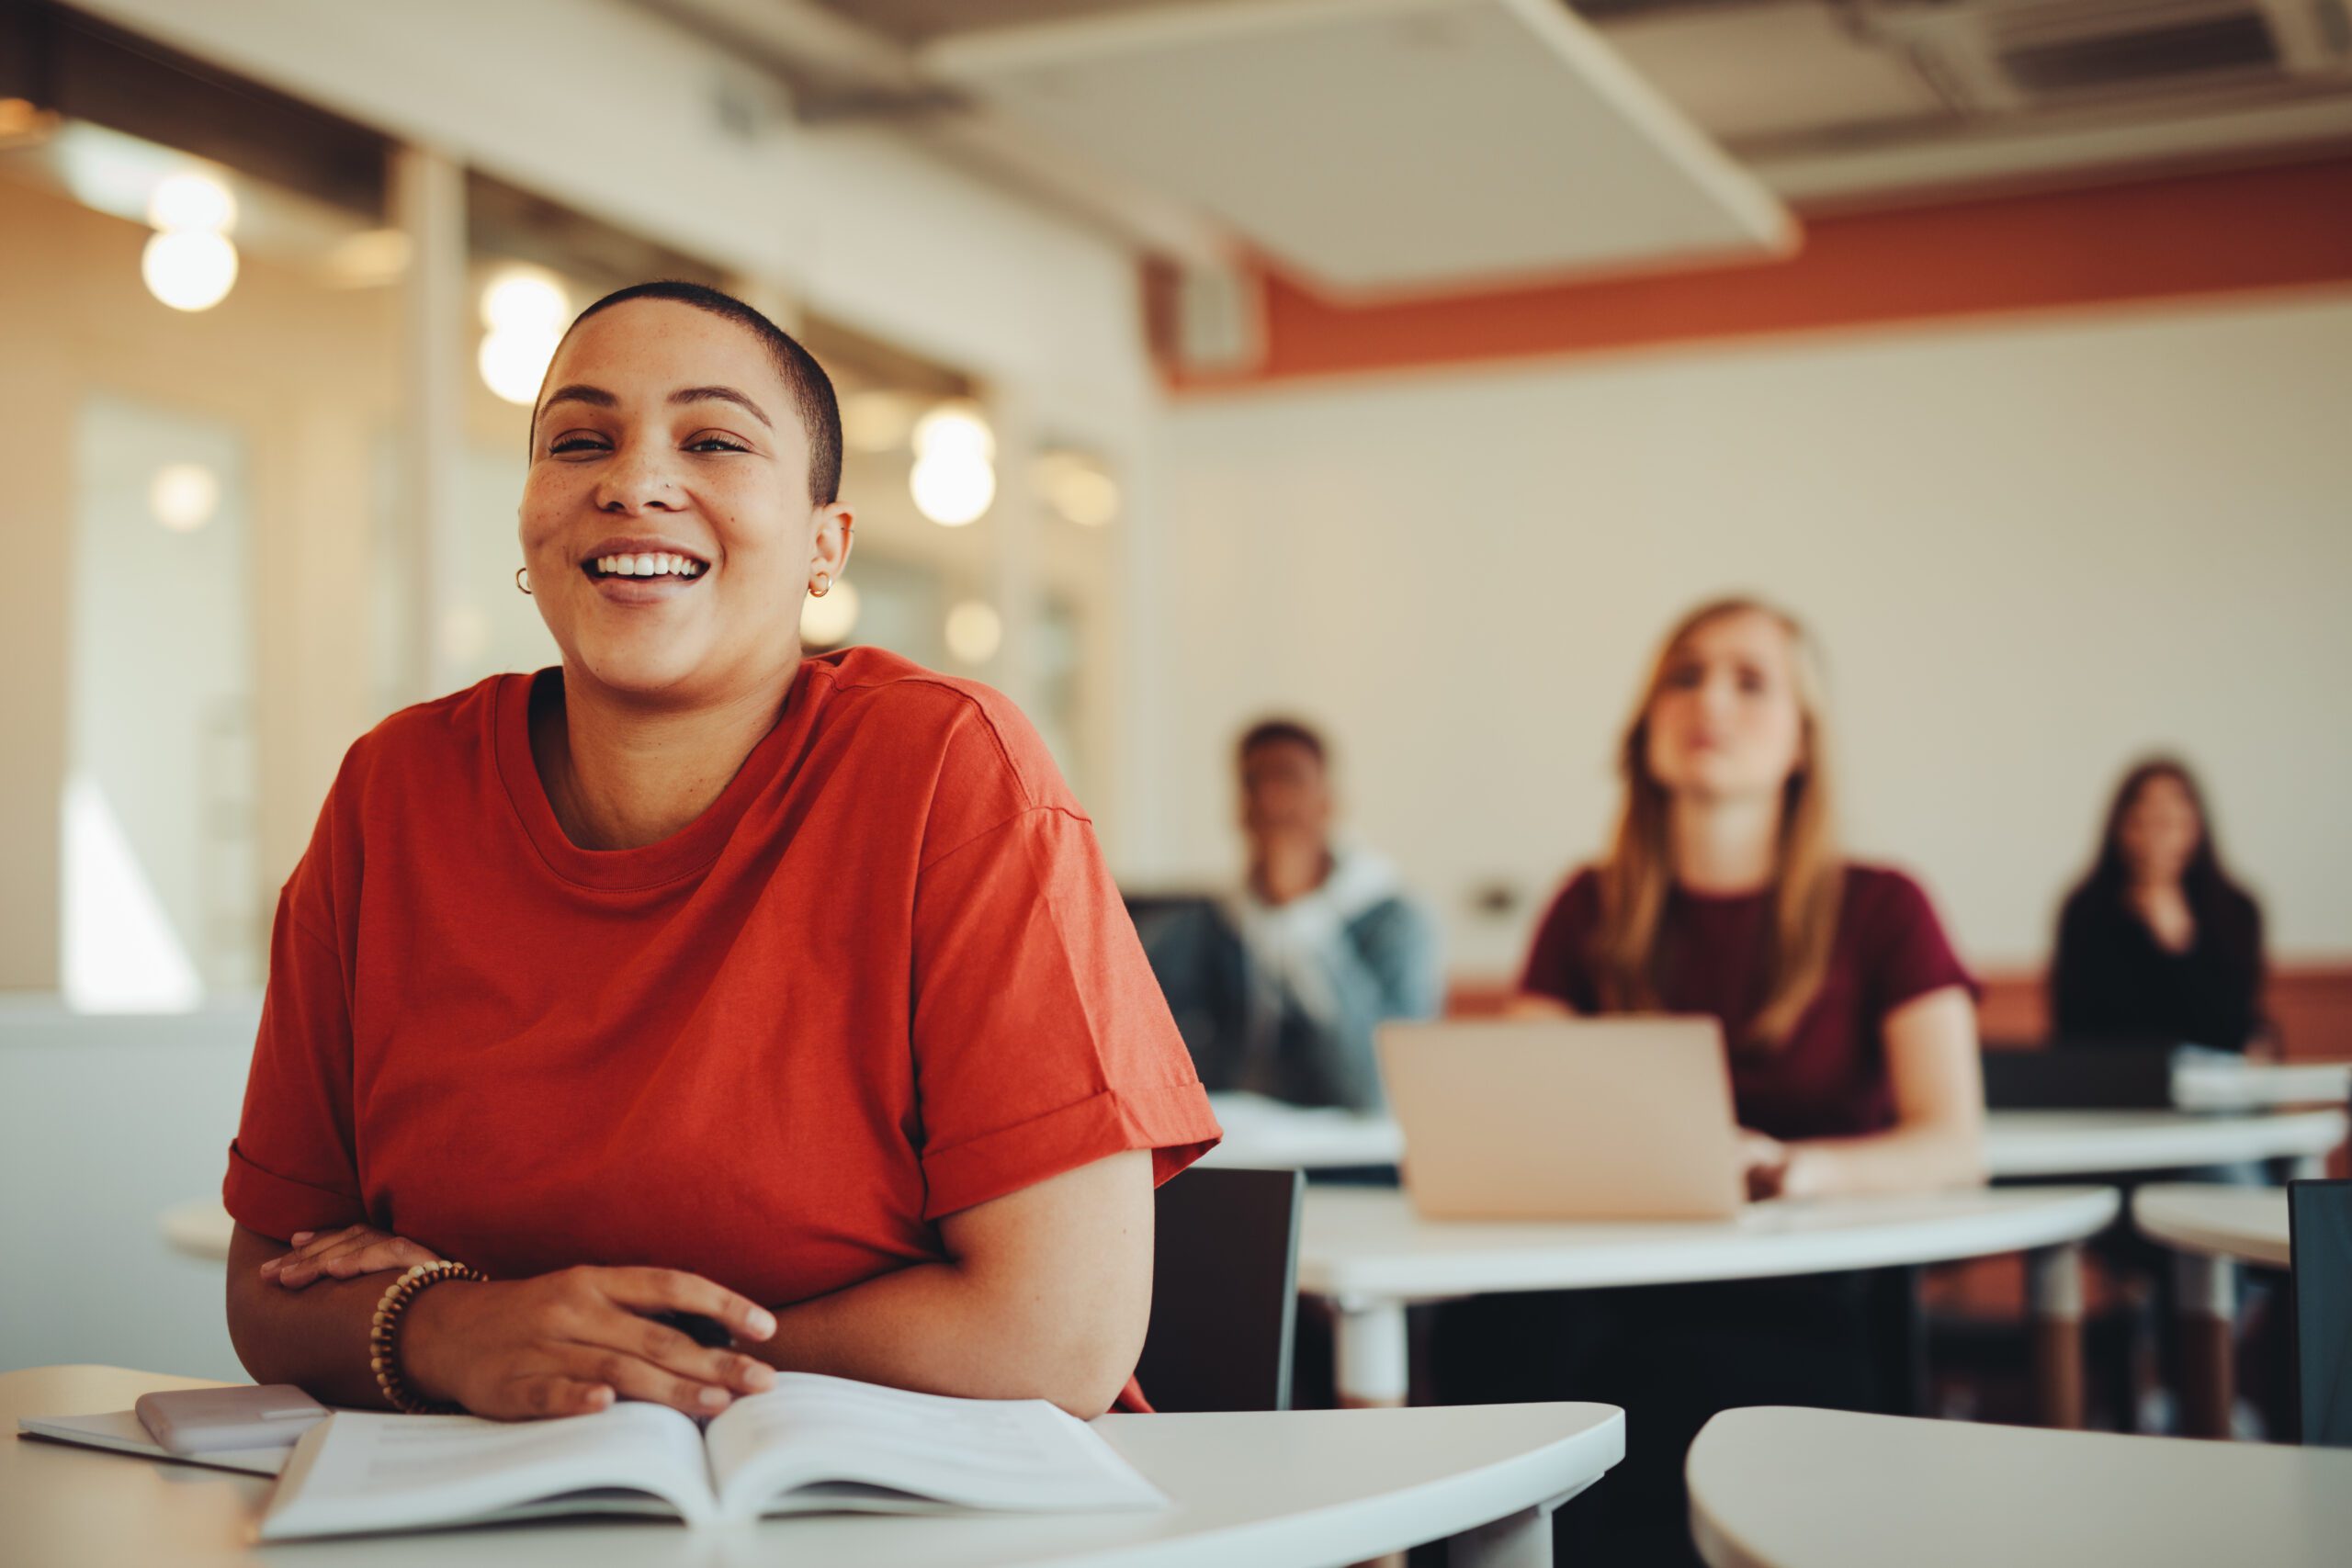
{"type": "Point", "coordinates": [1848, 1018]}
{"type": "Point", "coordinates": [1853, 1056]}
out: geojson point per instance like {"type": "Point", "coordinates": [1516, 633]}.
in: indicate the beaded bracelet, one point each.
{"type": "Point", "coordinates": [383, 1334]}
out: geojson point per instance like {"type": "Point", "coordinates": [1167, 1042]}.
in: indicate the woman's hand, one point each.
{"type": "Point", "coordinates": [1764, 1161]}
{"type": "Point", "coordinates": [570, 1343]}
{"type": "Point", "coordinates": [343, 1254]}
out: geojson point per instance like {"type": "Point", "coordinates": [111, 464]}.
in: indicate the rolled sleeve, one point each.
{"type": "Point", "coordinates": [1910, 955]}
{"type": "Point", "coordinates": [1174, 1122]}
{"type": "Point", "coordinates": [1042, 1042]}
{"type": "Point", "coordinates": [274, 1205]}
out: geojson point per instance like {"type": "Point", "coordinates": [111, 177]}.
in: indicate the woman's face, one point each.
{"type": "Point", "coordinates": [1725, 722]}
{"type": "Point", "coordinates": [2160, 830]}
{"type": "Point", "coordinates": [667, 432]}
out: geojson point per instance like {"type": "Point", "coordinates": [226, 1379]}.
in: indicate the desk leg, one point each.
{"type": "Point", "coordinates": [1375, 1364]}
{"type": "Point", "coordinates": [2054, 1275]}
{"type": "Point", "coordinates": [2209, 1299]}
{"type": "Point", "coordinates": [1522, 1540]}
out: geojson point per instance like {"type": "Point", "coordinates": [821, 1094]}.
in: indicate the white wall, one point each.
{"type": "Point", "coordinates": [104, 1123]}
{"type": "Point", "coordinates": [2032, 548]}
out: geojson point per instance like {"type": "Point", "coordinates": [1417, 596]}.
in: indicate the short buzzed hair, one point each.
{"type": "Point", "coordinates": [811, 388]}
{"type": "Point", "coordinates": [1282, 731]}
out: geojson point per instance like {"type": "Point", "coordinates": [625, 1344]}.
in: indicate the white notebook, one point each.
{"type": "Point", "coordinates": [811, 1444]}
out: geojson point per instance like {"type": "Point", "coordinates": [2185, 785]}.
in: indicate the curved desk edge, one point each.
{"type": "Point", "coordinates": [2246, 1225]}
{"type": "Point", "coordinates": [2050, 1216]}
{"type": "Point", "coordinates": [1487, 1477]}
{"type": "Point", "coordinates": [1776, 1486]}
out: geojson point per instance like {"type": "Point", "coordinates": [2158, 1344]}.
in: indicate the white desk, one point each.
{"type": "Point", "coordinates": [2234, 1084]}
{"type": "Point", "coordinates": [1781, 1488]}
{"type": "Point", "coordinates": [2030, 1143]}
{"type": "Point", "coordinates": [2211, 1229]}
{"type": "Point", "coordinates": [2246, 1225]}
{"type": "Point", "coordinates": [1263, 1133]}
{"type": "Point", "coordinates": [2017, 1144]}
{"type": "Point", "coordinates": [1365, 1250]}
{"type": "Point", "coordinates": [1307, 1487]}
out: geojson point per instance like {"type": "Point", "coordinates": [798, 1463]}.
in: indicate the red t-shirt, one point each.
{"type": "Point", "coordinates": [885, 977]}
{"type": "Point", "coordinates": [1829, 1077]}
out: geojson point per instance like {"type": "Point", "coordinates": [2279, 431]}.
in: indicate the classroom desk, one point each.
{"type": "Point", "coordinates": [1263, 1133]}
{"type": "Point", "coordinates": [2211, 1229]}
{"type": "Point", "coordinates": [1253, 1490]}
{"type": "Point", "coordinates": [2028, 1144]}
{"type": "Point", "coordinates": [2234, 1084]}
{"type": "Point", "coordinates": [2018, 1144]}
{"type": "Point", "coordinates": [1773, 1487]}
{"type": "Point", "coordinates": [2244, 1224]}
{"type": "Point", "coordinates": [1365, 1250]}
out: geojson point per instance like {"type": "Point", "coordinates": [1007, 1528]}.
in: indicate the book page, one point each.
{"type": "Point", "coordinates": [358, 1471]}
{"type": "Point", "coordinates": [812, 1431]}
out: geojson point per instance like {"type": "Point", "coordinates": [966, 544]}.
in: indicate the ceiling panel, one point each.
{"type": "Point", "coordinates": [916, 20]}
{"type": "Point", "coordinates": [1381, 145]}
{"type": "Point", "coordinates": [1773, 70]}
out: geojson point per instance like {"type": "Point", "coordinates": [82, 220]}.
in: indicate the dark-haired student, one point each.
{"type": "Point", "coordinates": [694, 976]}
{"type": "Point", "coordinates": [1851, 1036]}
{"type": "Point", "coordinates": [2159, 941]}
{"type": "Point", "coordinates": [1279, 984]}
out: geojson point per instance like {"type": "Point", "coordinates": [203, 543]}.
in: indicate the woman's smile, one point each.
{"type": "Point", "coordinates": [635, 571]}
{"type": "Point", "coordinates": [642, 590]}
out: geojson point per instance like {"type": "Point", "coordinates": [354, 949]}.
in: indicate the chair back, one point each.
{"type": "Point", "coordinates": [1224, 1291]}
{"type": "Point", "coordinates": [2081, 1075]}
{"type": "Point", "coordinates": [2319, 1218]}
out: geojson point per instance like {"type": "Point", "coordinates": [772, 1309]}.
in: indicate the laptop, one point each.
{"type": "Point", "coordinates": [1564, 1119]}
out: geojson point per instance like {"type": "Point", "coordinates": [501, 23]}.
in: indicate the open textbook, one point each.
{"type": "Point", "coordinates": [811, 1444]}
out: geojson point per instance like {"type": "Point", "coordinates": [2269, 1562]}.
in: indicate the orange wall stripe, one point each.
{"type": "Point", "coordinates": [2273, 228]}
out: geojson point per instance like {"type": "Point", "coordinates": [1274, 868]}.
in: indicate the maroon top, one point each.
{"type": "Point", "coordinates": [1828, 1078]}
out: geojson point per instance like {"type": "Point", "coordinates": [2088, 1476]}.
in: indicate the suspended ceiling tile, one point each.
{"type": "Point", "coordinates": [917, 20]}
{"type": "Point", "coordinates": [1379, 146]}
{"type": "Point", "coordinates": [1766, 71]}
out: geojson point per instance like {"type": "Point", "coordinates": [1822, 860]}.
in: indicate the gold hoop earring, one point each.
{"type": "Point", "coordinates": [824, 585]}
{"type": "Point", "coordinates": [520, 572]}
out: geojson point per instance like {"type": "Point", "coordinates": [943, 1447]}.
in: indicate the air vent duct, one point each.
{"type": "Point", "coordinates": [1994, 56]}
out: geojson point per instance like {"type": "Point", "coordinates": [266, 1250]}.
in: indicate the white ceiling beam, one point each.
{"type": "Point", "coordinates": [2049, 148]}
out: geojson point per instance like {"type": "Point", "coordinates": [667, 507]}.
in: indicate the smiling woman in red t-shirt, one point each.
{"type": "Point", "coordinates": [696, 976]}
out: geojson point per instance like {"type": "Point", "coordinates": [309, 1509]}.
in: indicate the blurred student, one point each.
{"type": "Point", "coordinates": [2158, 942]}
{"type": "Point", "coordinates": [1849, 1019]}
{"type": "Point", "coordinates": [1852, 1045]}
{"type": "Point", "coordinates": [1278, 984]}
